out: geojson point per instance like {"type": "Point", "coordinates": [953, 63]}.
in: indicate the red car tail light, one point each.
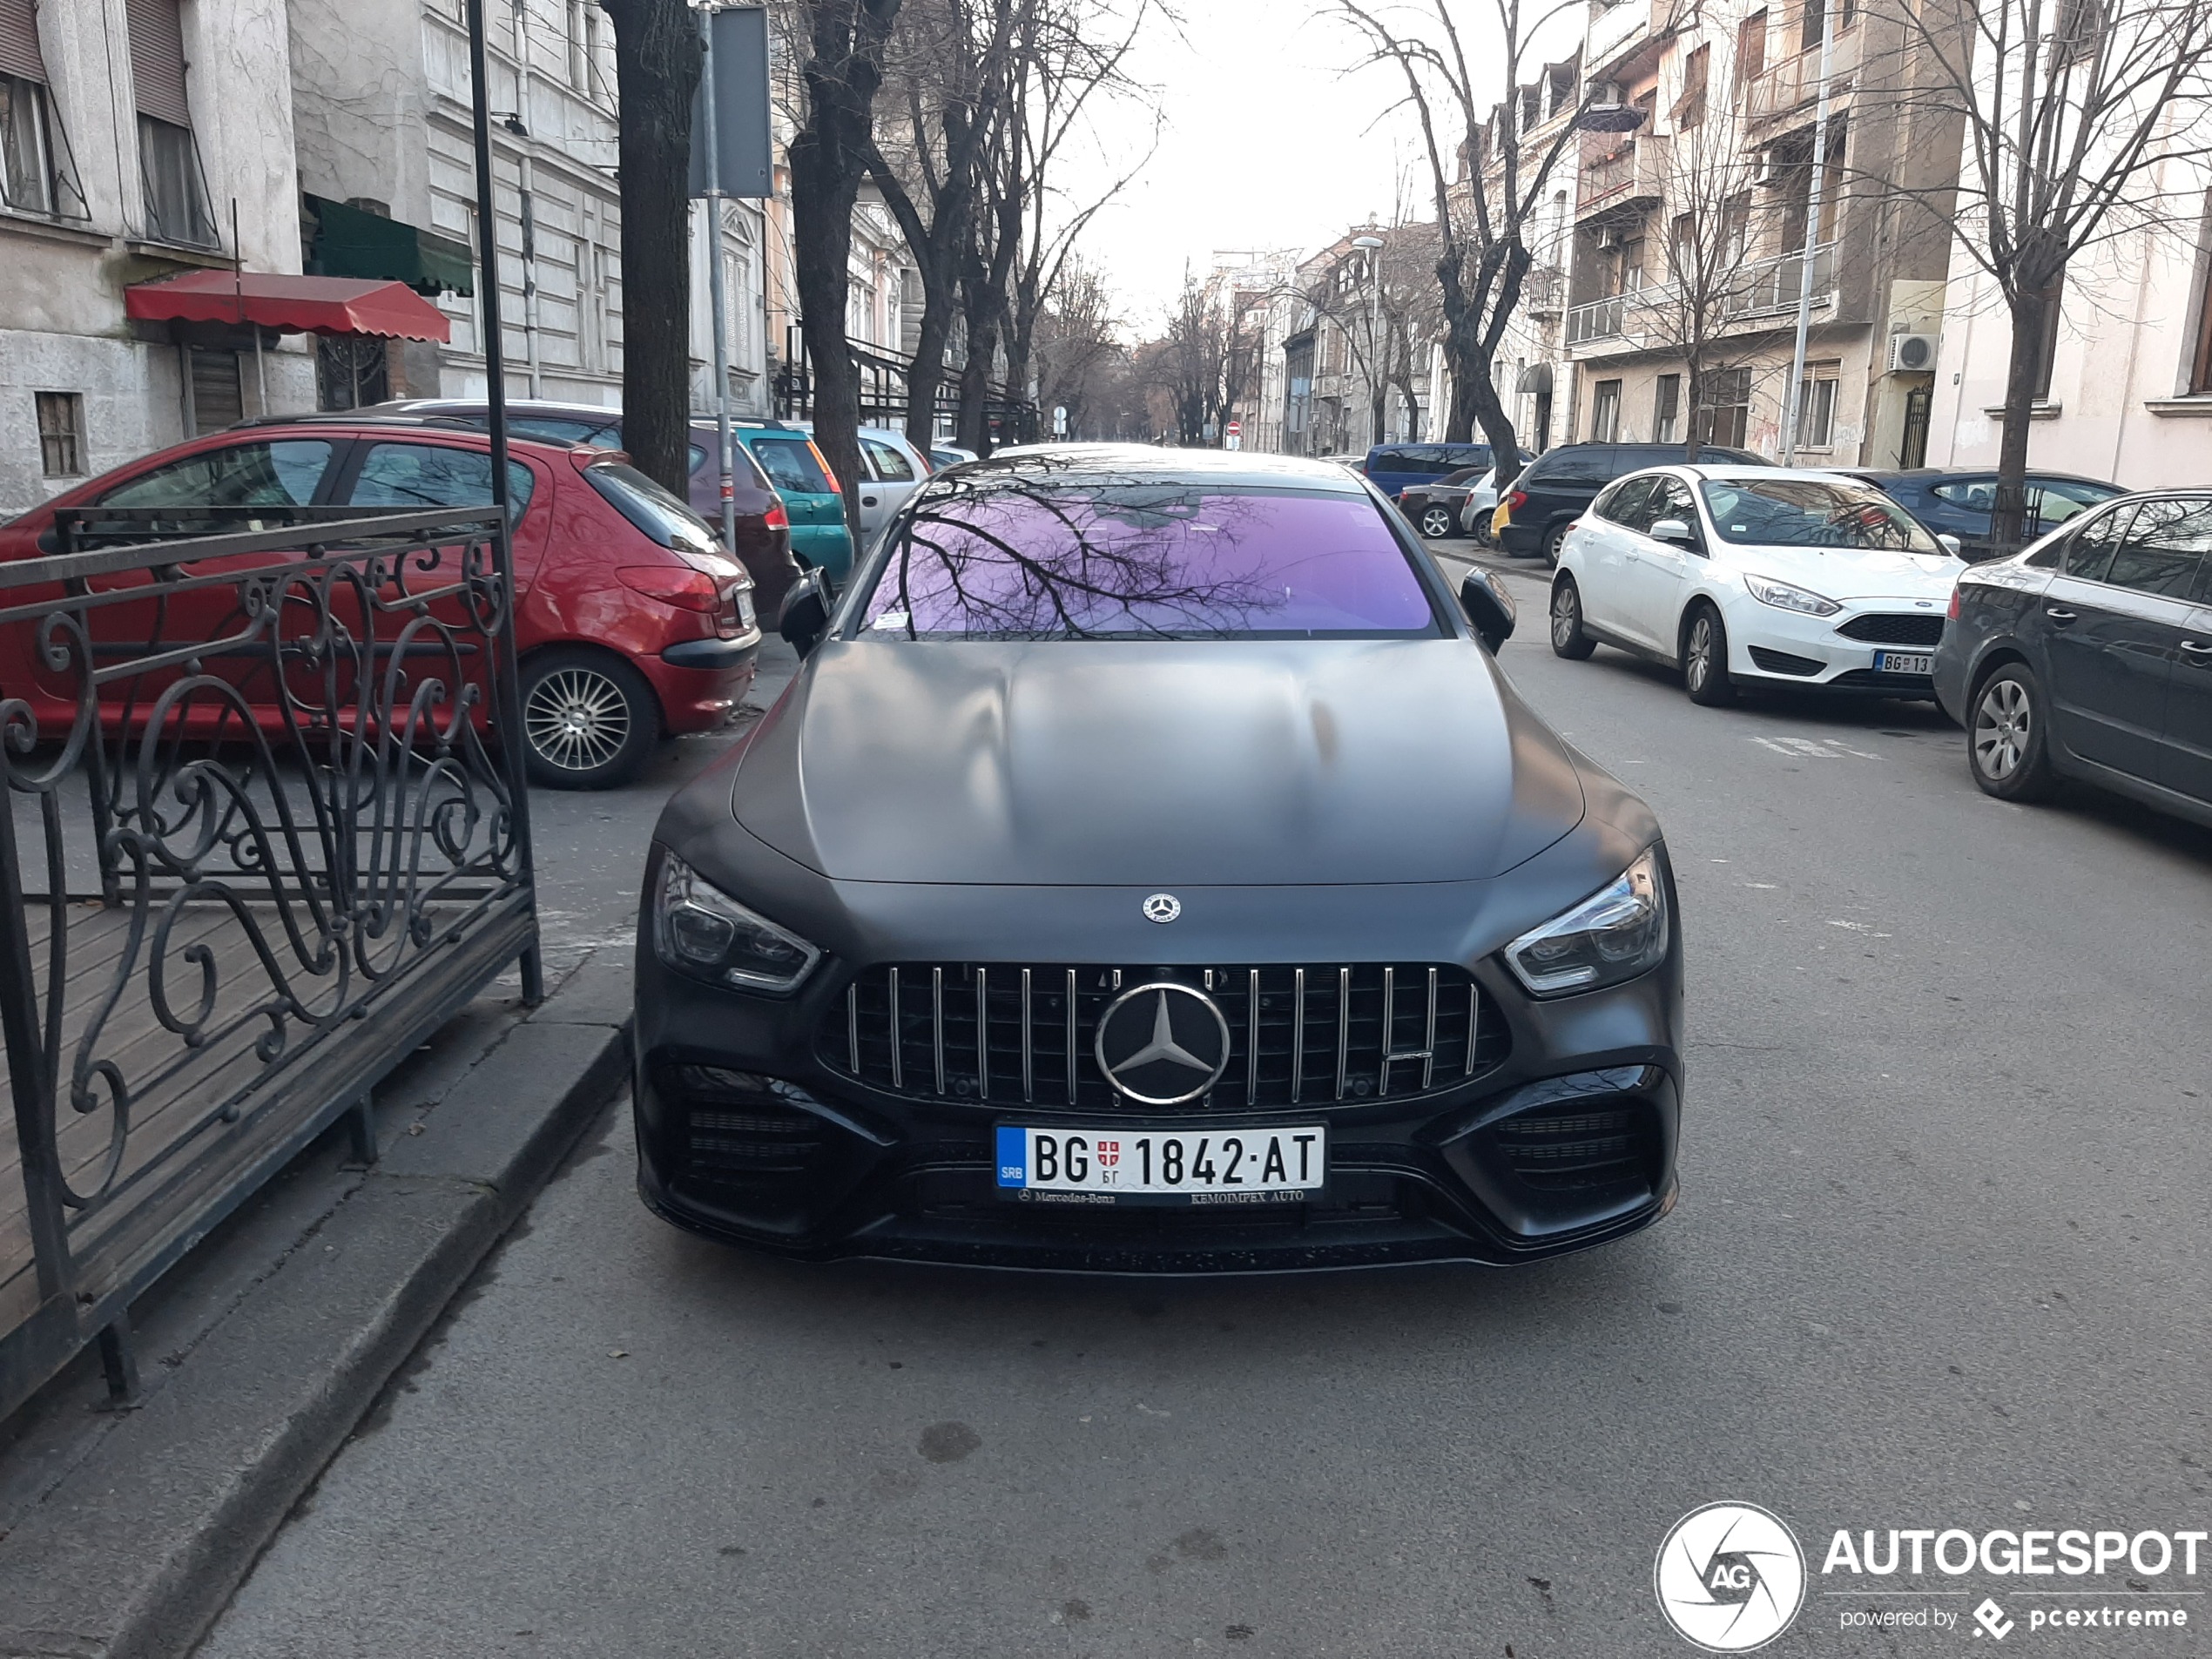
{"type": "Point", "coordinates": [1515, 502]}
{"type": "Point", "coordinates": [1952, 612]}
{"type": "Point", "coordinates": [674, 584]}
{"type": "Point", "coordinates": [775, 518]}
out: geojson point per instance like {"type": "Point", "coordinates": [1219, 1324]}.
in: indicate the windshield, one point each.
{"type": "Point", "coordinates": [1021, 559]}
{"type": "Point", "coordinates": [792, 465]}
{"type": "Point", "coordinates": [1813, 512]}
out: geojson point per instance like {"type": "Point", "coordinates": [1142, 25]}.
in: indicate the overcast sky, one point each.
{"type": "Point", "coordinates": [1267, 144]}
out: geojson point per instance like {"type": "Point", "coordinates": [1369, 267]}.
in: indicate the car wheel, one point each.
{"type": "Point", "coordinates": [2005, 736]}
{"type": "Point", "coordinates": [1436, 522]}
{"type": "Point", "coordinates": [588, 719]}
{"type": "Point", "coordinates": [1555, 538]}
{"type": "Point", "coordinates": [1704, 658]}
{"type": "Point", "coordinates": [1568, 639]}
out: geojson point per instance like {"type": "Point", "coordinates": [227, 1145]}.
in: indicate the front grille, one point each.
{"type": "Point", "coordinates": [1016, 1035]}
{"type": "Point", "coordinates": [1782, 662]}
{"type": "Point", "coordinates": [1867, 679]}
{"type": "Point", "coordinates": [1923, 628]}
{"type": "Point", "coordinates": [1575, 1150]}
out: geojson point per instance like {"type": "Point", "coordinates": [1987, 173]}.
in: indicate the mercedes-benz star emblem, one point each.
{"type": "Point", "coordinates": [1162, 1043]}
{"type": "Point", "coordinates": [1163, 907]}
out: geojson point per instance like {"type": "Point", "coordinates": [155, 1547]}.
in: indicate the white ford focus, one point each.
{"type": "Point", "coordinates": [1744, 576]}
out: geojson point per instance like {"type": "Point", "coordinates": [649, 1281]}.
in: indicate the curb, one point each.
{"type": "Point", "coordinates": [135, 1553]}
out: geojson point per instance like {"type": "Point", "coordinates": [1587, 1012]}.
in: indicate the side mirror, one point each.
{"type": "Point", "coordinates": [1674, 532]}
{"type": "Point", "coordinates": [1954, 546]}
{"type": "Point", "coordinates": [804, 616]}
{"type": "Point", "coordinates": [1489, 607]}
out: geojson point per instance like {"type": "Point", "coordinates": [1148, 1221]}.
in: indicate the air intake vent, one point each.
{"type": "Point", "coordinates": [1563, 1151]}
{"type": "Point", "coordinates": [1904, 628]}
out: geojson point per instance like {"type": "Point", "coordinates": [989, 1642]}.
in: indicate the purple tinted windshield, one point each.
{"type": "Point", "coordinates": [1030, 560]}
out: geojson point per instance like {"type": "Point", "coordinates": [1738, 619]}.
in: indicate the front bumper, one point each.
{"type": "Point", "coordinates": [744, 1133]}
{"type": "Point", "coordinates": [1770, 646]}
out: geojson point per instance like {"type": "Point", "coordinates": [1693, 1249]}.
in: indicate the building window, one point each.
{"type": "Point", "coordinates": [1724, 413]}
{"type": "Point", "coordinates": [351, 371]}
{"type": "Point", "coordinates": [1750, 50]}
{"type": "Point", "coordinates": [2046, 350]}
{"type": "Point", "coordinates": [1666, 410]}
{"type": "Point", "coordinates": [26, 147]}
{"type": "Point", "coordinates": [1605, 412]}
{"type": "Point", "coordinates": [61, 434]}
{"type": "Point", "coordinates": [176, 197]}
{"type": "Point", "coordinates": [1816, 405]}
{"type": "Point", "coordinates": [1691, 108]}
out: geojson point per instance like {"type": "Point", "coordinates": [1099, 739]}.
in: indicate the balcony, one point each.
{"type": "Point", "coordinates": [1761, 295]}
{"type": "Point", "coordinates": [1763, 287]}
{"type": "Point", "coordinates": [1626, 173]}
{"type": "Point", "coordinates": [1793, 82]}
{"type": "Point", "coordinates": [1621, 29]}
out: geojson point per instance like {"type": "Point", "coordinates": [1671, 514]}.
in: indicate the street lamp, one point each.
{"type": "Point", "coordinates": [1372, 245]}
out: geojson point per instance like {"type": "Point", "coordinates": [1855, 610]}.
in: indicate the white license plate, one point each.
{"type": "Point", "coordinates": [1154, 1166]}
{"type": "Point", "coordinates": [1904, 662]}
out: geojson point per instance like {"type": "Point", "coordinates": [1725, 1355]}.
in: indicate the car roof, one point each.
{"type": "Point", "coordinates": [428, 421]}
{"type": "Point", "coordinates": [1147, 463]}
{"type": "Point", "coordinates": [1938, 475]}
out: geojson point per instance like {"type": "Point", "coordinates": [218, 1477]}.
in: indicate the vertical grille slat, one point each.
{"type": "Point", "coordinates": [1286, 1024]}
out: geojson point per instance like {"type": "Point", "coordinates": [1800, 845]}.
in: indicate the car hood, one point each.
{"type": "Point", "coordinates": [1855, 573]}
{"type": "Point", "coordinates": [1095, 762]}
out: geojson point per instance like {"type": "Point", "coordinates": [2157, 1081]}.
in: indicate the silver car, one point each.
{"type": "Point", "coordinates": [895, 469]}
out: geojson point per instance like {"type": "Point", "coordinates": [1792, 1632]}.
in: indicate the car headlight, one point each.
{"type": "Point", "coordinates": [701, 931]}
{"type": "Point", "coordinates": [1783, 596]}
{"type": "Point", "coordinates": [1614, 934]}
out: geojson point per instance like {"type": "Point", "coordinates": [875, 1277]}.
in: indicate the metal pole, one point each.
{"type": "Point", "coordinates": [717, 285]}
{"type": "Point", "coordinates": [508, 690]}
{"type": "Point", "coordinates": [1793, 411]}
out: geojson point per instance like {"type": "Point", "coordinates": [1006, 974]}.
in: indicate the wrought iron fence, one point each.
{"type": "Point", "coordinates": [266, 831]}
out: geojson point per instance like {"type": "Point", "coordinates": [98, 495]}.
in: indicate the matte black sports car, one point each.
{"type": "Point", "coordinates": [1150, 869]}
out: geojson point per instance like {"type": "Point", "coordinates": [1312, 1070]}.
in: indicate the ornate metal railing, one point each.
{"type": "Point", "coordinates": [265, 833]}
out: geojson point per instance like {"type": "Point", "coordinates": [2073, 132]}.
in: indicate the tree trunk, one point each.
{"type": "Point", "coordinates": [1693, 389]}
{"type": "Point", "coordinates": [2008, 518]}
{"type": "Point", "coordinates": [828, 156]}
{"type": "Point", "coordinates": [657, 68]}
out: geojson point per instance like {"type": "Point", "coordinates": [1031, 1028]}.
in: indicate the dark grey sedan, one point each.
{"type": "Point", "coordinates": [2089, 656]}
{"type": "Point", "coordinates": [1150, 869]}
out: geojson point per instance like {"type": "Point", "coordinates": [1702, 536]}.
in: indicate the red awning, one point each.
{"type": "Point", "coordinates": [313, 305]}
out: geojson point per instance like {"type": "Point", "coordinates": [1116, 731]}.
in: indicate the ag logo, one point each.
{"type": "Point", "coordinates": [1729, 1577]}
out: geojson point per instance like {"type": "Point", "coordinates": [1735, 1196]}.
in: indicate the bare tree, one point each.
{"type": "Point", "coordinates": [1386, 304]}
{"type": "Point", "coordinates": [656, 66]}
{"type": "Point", "coordinates": [1206, 364]}
{"type": "Point", "coordinates": [1077, 349]}
{"type": "Point", "coordinates": [2075, 113]}
{"type": "Point", "coordinates": [1705, 310]}
{"type": "Point", "coordinates": [951, 74]}
{"type": "Point", "coordinates": [1488, 186]}
{"type": "Point", "coordinates": [843, 42]}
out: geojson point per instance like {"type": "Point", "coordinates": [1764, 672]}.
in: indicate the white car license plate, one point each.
{"type": "Point", "coordinates": [1155, 1166]}
{"type": "Point", "coordinates": [1904, 662]}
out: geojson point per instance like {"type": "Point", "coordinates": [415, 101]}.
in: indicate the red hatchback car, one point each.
{"type": "Point", "coordinates": [631, 626]}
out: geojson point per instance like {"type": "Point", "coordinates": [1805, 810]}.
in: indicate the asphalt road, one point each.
{"type": "Point", "coordinates": [1940, 1261]}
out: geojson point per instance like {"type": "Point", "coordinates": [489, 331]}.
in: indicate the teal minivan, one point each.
{"type": "Point", "coordinates": [794, 466]}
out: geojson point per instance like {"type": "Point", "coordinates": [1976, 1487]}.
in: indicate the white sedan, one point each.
{"type": "Point", "coordinates": [1745, 577]}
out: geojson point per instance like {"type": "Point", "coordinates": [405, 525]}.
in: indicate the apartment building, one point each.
{"type": "Point", "coordinates": [2127, 382]}
{"type": "Point", "coordinates": [1533, 373]}
{"type": "Point", "coordinates": [1702, 224]}
{"type": "Point", "coordinates": [139, 139]}
{"type": "Point", "coordinates": [381, 101]}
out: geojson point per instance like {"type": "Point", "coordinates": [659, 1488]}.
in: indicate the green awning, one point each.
{"type": "Point", "coordinates": [351, 243]}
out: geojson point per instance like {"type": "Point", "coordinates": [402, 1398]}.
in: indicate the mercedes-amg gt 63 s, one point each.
{"type": "Point", "coordinates": [1150, 869]}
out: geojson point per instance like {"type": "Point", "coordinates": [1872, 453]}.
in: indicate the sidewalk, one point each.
{"type": "Point", "coordinates": [123, 1534]}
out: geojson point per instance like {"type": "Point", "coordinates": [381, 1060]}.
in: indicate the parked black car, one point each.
{"type": "Point", "coordinates": [1434, 509]}
{"type": "Point", "coordinates": [1960, 504]}
{"type": "Point", "coordinates": [1552, 490]}
{"type": "Point", "coordinates": [2089, 656]}
{"type": "Point", "coordinates": [1036, 926]}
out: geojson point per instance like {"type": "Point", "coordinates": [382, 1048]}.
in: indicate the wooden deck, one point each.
{"type": "Point", "coordinates": [179, 1090]}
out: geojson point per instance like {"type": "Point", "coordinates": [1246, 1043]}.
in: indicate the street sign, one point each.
{"type": "Point", "coordinates": [1232, 436]}
{"type": "Point", "coordinates": [1235, 428]}
{"type": "Point", "coordinates": [737, 74]}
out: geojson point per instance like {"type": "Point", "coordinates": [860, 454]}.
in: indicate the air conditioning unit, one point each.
{"type": "Point", "coordinates": [1912, 354]}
